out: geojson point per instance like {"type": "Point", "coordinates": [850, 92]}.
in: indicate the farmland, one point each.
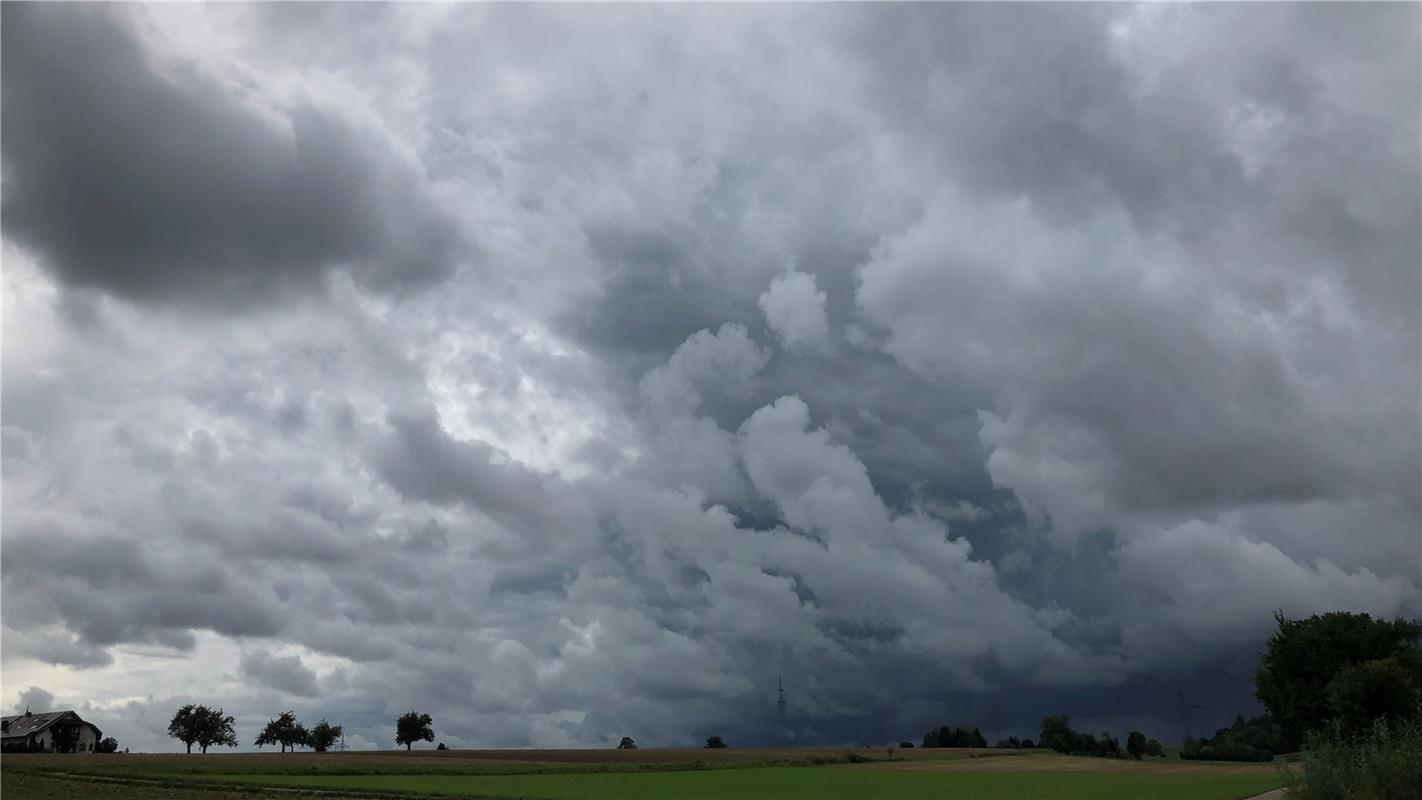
{"type": "Point", "coordinates": [811, 774]}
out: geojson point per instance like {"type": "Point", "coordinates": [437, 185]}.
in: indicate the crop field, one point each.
{"type": "Point", "coordinates": [806, 774]}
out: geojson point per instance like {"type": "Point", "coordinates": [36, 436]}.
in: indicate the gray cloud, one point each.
{"type": "Point", "coordinates": [34, 699]}
{"type": "Point", "coordinates": [283, 673]}
{"type": "Point", "coordinates": [155, 179]}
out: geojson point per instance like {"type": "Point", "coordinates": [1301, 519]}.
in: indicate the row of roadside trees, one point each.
{"type": "Point", "coordinates": [206, 727]}
{"type": "Point", "coordinates": [287, 731]}
{"type": "Point", "coordinates": [1330, 679]}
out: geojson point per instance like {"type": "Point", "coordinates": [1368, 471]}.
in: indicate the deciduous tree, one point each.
{"type": "Point", "coordinates": [323, 735]}
{"type": "Point", "coordinates": [414, 727]}
{"type": "Point", "coordinates": [184, 726]}
{"type": "Point", "coordinates": [200, 725]}
{"type": "Point", "coordinates": [215, 728]}
{"type": "Point", "coordinates": [285, 730]}
{"type": "Point", "coordinates": [1303, 657]}
{"type": "Point", "coordinates": [1136, 744]}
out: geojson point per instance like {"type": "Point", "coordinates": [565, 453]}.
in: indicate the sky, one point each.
{"type": "Point", "coordinates": [572, 372]}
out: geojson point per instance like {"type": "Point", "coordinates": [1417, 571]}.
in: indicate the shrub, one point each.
{"type": "Point", "coordinates": [905, 744]}
{"type": "Point", "coordinates": [1383, 764]}
{"type": "Point", "coordinates": [715, 743]}
{"type": "Point", "coordinates": [1259, 739]}
{"type": "Point", "coordinates": [959, 736]}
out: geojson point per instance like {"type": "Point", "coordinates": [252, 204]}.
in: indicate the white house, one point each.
{"type": "Point", "coordinates": [49, 732]}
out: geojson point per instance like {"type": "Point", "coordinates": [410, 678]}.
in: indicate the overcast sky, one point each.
{"type": "Point", "coordinates": [572, 372]}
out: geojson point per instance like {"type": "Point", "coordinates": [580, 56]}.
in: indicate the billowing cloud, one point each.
{"type": "Point", "coordinates": [795, 310]}
{"type": "Point", "coordinates": [1104, 346]}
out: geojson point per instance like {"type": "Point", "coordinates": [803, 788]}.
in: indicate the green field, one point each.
{"type": "Point", "coordinates": [787, 774]}
{"type": "Point", "coordinates": [811, 783]}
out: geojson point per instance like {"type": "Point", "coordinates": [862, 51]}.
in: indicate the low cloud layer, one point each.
{"type": "Point", "coordinates": [581, 372]}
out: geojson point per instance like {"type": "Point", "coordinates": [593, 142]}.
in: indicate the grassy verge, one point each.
{"type": "Point", "coordinates": [1383, 764]}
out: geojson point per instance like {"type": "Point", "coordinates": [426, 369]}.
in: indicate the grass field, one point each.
{"type": "Point", "coordinates": [639, 775]}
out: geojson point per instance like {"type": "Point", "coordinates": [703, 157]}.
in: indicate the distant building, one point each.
{"type": "Point", "coordinates": [49, 732]}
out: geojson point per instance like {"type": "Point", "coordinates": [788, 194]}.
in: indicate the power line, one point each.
{"type": "Point", "coordinates": [994, 720]}
{"type": "Point", "coordinates": [781, 707]}
{"type": "Point", "coordinates": [1186, 708]}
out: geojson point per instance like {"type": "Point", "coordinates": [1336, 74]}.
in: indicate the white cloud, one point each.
{"type": "Point", "coordinates": [795, 309]}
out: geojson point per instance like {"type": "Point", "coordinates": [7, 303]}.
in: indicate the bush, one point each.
{"type": "Point", "coordinates": [715, 743]}
{"type": "Point", "coordinates": [441, 746]}
{"type": "Point", "coordinates": [1057, 734]}
{"type": "Point", "coordinates": [905, 744]}
{"type": "Point", "coordinates": [1383, 764]}
{"type": "Point", "coordinates": [959, 736]}
{"type": "Point", "coordinates": [1259, 739]}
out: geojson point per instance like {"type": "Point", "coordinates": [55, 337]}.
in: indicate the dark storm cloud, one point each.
{"type": "Point", "coordinates": [1124, 347]}
{"type": "Point", "coordinates": [138, 592]}
{"type": "Point", "coordinates": [157, 180]}
{"type": "Point", "coordinates": [919, 354]}
{"type": "Point", "coordinates": [55, 648]}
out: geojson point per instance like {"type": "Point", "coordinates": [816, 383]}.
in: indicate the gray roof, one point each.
{"type": "Point", "coordinates": [27, 724]}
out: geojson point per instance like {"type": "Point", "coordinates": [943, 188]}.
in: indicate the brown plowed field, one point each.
{"type": "Point", "coordinates": [472, 760]}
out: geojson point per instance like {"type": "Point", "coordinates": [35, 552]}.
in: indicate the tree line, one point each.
{"type": "Point", "coordinates": [1056, 733]}
{"type": "Point", "coordinates": [1338, 673]}
{"type": "Point", "coordinates": [1334, 675]}
{"type": "Point", "coordinates": [206, 727]}
{"type": "Point", "coordinates": [712, 743]}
